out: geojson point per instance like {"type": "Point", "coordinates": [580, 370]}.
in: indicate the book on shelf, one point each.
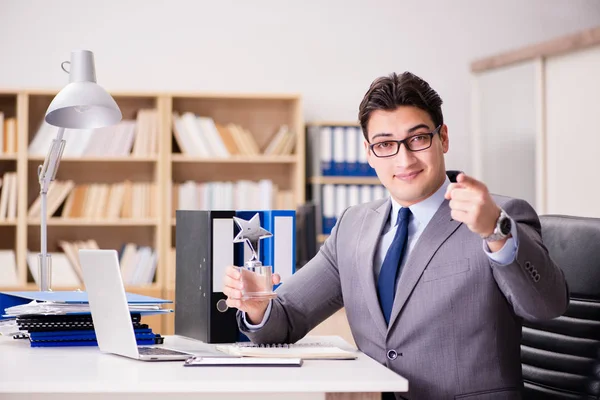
{"type": "Point", "coordinates": [8, 135]}
{"type": "Point", "coordinates": [99, 201]}
{"type": "Point", "coordinates": [282, 143]}
{"type": "Point", "coordinates": [129, 137]}
{"type": "Point", "coordinates": [146, 133]}
{"type": "Point", "coordinates": [239, 195]}
{"type": "Point", "coordinates": [201, 136]}
{"type": "Point", "coordinates": [63, 273]}
{"type": "Point", "coordinates": [71, 251]}
{"type": "Point", "coordinates": [138, 263]}
{"type": "Point", "coordinates": [57, 193]}
{"type": "Point", "coordinates": [8, 268]}
{"type": "Point", "coordinates": [8, 196]}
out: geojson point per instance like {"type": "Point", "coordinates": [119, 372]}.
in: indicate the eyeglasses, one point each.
{"type": "Point", "coordinates": [389, 148]}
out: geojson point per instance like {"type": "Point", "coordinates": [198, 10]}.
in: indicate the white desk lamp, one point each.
{"type": "Point", "coordinates": [82, 104]}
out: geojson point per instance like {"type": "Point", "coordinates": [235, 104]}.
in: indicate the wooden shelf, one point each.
{"type": "Point", "coordinates": [332, 123]}
{"type": "Point", "coordinates": [236, 159]}
{"type": "Point", "coordinates": [120, 159]}
{"type": "Point", "coordinates": [235, 96]}
{"type": "Point", "coordinates": [260, 114]}
{"type": "Point", "coordinates": [94, 222]}
{"type": "Point", "coordinates": [344, 180]}
{"type": "Point", "coordinates": [19, 288]}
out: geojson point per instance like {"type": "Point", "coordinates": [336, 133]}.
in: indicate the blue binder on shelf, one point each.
{"type": "Point", "coordinates": [11, 299]}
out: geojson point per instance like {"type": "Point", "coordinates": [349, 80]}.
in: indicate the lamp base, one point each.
{"type": "Point", "coordinates": [45, 272]}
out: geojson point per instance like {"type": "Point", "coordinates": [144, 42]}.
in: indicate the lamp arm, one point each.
{"type": "Point", "coordinates": [47, 171]}
{"type": "Point", "coordinates": [46, 174]}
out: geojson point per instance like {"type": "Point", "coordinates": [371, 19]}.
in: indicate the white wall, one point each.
{"type": "Point", "coordinates": [329, 51]}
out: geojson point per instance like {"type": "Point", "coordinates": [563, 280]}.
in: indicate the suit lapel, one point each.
{"type": "Point", "coordinates": [367, 243]}
{"type": "Point", "coordinates": [435, 234]}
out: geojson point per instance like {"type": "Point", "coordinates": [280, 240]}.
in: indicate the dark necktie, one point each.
{"type": "Point", "coordinates": [386, 284]}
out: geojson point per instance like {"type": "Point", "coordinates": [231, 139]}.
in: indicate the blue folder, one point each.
{"type": "Point", "coordinates": [140, 342]}
{"type": "Point", "coordinates": [11, 299]}
{"type": "Point", "coordinates": [80, 336]}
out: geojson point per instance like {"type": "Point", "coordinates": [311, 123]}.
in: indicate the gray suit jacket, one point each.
{"type": "Point", "coordinates": [455, 325]}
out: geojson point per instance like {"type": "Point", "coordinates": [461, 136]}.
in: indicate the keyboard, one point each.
{"type": "Point", "coordinates": [157, 351]}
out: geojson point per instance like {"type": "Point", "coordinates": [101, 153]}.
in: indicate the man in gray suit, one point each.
{"type": "Point", "coordinates": [434, 279]}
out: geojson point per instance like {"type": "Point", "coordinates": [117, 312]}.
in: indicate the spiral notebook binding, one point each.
{"type": "Point", "coordinates": [280, 345]}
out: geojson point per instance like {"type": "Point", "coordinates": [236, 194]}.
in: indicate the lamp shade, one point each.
{"type": "Point", "coordinates": [83, 104]}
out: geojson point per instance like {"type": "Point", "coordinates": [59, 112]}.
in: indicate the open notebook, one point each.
{"type": "Point", "coordinates": [308, 351]}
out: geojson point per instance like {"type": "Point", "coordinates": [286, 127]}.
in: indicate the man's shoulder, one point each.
{"type": "Point", "coordinates": [359, 210]}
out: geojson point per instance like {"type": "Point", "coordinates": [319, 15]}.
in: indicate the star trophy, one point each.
{"type": "Point", "coordinates": [256, 278]}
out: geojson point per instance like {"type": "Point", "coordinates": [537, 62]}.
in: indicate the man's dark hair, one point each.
{"type": "Point", "coordinates": [389, 92]}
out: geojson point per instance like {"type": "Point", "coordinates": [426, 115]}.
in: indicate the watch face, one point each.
{"type": "Point", "coordinates": [505, 226]}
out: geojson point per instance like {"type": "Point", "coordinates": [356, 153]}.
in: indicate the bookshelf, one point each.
{"type": "Point", "coordinates": [162, 166]}
{"type": "Point", "coordinates": [338, 173]}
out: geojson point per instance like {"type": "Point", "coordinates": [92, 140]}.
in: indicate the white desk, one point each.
{"type": "Point", "coordinates": [70, 372]}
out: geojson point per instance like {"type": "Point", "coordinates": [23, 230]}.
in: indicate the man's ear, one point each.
{"type": "Point", "coordinates": [444, 138]}
{"type": "Point", "coordinates": [367, 150]}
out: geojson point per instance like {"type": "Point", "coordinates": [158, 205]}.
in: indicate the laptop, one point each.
{"type": "Point", "coordinates": [110, 311]}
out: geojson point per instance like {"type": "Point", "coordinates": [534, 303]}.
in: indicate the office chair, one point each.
{"type": "Point", "coordinates": [561, 357]}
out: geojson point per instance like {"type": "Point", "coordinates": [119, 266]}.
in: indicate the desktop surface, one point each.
{"type": "Point", "coordinates": [71, 371]}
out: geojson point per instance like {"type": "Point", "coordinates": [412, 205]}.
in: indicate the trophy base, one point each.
{"type": "Point", "coordinates": [259, 296]}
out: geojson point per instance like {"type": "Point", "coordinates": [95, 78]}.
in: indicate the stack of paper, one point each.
{"type": "Point", "coordinates": [67, 303]}
{"type": "Point", "coordinates": [51, 308]}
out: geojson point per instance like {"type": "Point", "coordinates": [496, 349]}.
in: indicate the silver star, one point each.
{"type": "Point", "coordinates": [251, 232]}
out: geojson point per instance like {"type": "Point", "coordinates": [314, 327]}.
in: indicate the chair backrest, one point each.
{"type": "Point", "coordinates": [561, 357]}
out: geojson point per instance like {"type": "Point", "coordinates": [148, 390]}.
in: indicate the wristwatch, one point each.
{"type": "Point", "coordinates": [502, 229]}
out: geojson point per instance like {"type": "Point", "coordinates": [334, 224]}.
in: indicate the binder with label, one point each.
{"type": "Point", "coordinates": [205, 248]}
{"type": "Point", "coordinates": [324, 139]}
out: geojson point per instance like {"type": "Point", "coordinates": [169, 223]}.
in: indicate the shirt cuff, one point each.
{"type": "Point", "coordinates": [507, 254]}
{"type": "Point", "coordinates": [254, 328]}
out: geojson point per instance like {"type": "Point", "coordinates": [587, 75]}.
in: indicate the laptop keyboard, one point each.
{"type": "Point", "coordinates": [157, 351]}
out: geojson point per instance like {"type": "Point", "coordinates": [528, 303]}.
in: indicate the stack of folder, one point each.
{"type": "Point", "coordinates": [74, 330]}
{"type": "Point", "coordinates": [51, 319]}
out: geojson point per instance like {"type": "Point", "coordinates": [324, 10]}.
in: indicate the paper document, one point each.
{"type": "Point", "coordinates": [303, 351]}
{"type": "Point", "coordinates": [245, 362]}
{"type": "Point", "coordinates": [9, 328]}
